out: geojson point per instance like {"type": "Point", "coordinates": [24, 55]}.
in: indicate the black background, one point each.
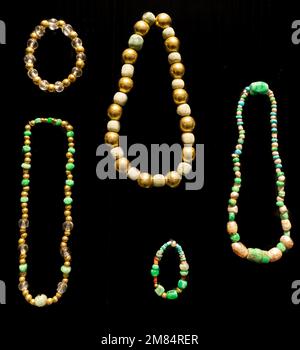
{"type": "Point", "coordinates": [225, 46]}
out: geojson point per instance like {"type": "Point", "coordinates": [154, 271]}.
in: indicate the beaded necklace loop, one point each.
{"type": "Point", "coordinates": [42, 300]}
{"type": "Point", "coordinates": [180, 97]}
{"type": "Point", "coordinates": [184, 270]}
{"type": "Point", "coordinates": [32, 45]}
{"type": "Point", "coordinates": [255, 254]}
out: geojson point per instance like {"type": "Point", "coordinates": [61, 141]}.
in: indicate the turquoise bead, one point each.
{"type": "Point", "coordinates": [154, 273]}
{"type": "Point", "coordinates": [259, 88]}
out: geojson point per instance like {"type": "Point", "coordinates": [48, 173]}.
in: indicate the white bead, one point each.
{"type": "Point", "coordinates": [40, 300]}
{"type": "Point", "coordinates": [174, 57]}
{"type": "Point", "coordinates": [133, 173]}
{"type": "Point", "coordinates": [117, 152]}
{"type": "Point", "coordinates": [113, 125]}
{"type": "Point", "coordinates": [184, 110]}
{"type": "Point", "coordinates": [167, 32]}
{"type": "Point", "coordinates": [120, 98]}
{"type": "Point", "coordinates": [123, 165]}
{"type": "Point", "coordinates": [149, 17]}
{"type": "Point", "coordinates": [187, 154]}
{"type": "Point", "coordinates": [127, 70]}
{"type": "Point", "coordinates": [159, 180]}
{"type": "Point", "coordinates": [184, 168]}
{"type": "Point", "coordinates": [188, 138]}
{"type": "Point", "coordinates": [177, 84]}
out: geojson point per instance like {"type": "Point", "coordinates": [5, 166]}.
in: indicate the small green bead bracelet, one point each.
{"type": "Point", "coordinates": [41, 299]}
{"type": "Point", "coordinates": [184, 270]}
{"type": "Point", "coordinates": [255, 254]}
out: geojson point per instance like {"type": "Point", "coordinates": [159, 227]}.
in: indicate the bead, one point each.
{"type": "Point", "coordinates": [136, 42]}
{"type": "Point", "coordinates": [68, 200]}
{"type": "Point", "coordinates": [129, 56]}
{"type": "Point", "coordinates": [65, 269]}
{"type": "Point", "coordinates": [23, 223]}
{"type": "Point", "coordinates": [174, 57]}
{"type": "Point", "coordinates": [23, 267]}
{"type": "Point", "coordinates": [145, 180]}
{"type": "Point", "coordinates": [120, 98]}
{"type": "Point", "coordinates": [232, 227]}
{"type": "Point", "coordinates": [187, 124]}
{"type": "Point", "coordinates": [177, 84]}
{"type": "Point", "coordinates": [233, 209]}
{"type": "Point", "coordinates": [117, 152]}
{"type": "Point", "coordinates": [168, 32]}
{"type": "Point", "coordinates": [159, 290]}
{"type": "Point", "coordinates": [283, 209]}
{"type": "Point", "coordinates": [77, 72]}
{"type": "Point", "coordinates": [184, 110]}
{"type": "Point", "coordinates": [172, 44]}
{"type": "Point", "coordinates": [149, 17]}
{"type": "Point", "coordinates": [61, 287]}
{"type": "Point", "coordinates": [184, 266]}
{"type": "Point", "coordinates": [235, 237]}
{"type": "Point", "coordinates": [287, 241]}
{"type": "Point", "coordinates": [184, 168]}
{"type": "Point", "coordinates": [133, 173]}
{"type": "Point", "coordinates": [255, 255]}
{"type": "Point", "coordinates": [112, 138]}
{"type": "Point", "coordinates": [180, 96]}
{"type": "Point", "coordinates": [122, 164]}
{"type": "Point", "coordinates": [188, 154]}
{"type": "Point", "coordinates": [127, 70]}
{"type": "Point", "coordinates": [154, 272]}
{"type": "Point", "coordinates": [40, 300]}
{"type": "Point", "coordinates": [172, 294]}
{"type": "Point", "coordinates": [173, 179]}
{"type": "Point", "coordinates": [44, 85]}
{"type": "Point", "coordinates": [125, 84]}
{"type": "Point", "coordinates": [113, 125]}
{"type": "Point", "coordinates": [163, 20]}
{"type": "Point", "coordinates": [59, 86]}
{"type": "Point", "coordinates": [114, 111]}
{"type": "Point", "coordinates": [286, 225]}
{"type": "Point", "coordinates": [70, 166]}
{"type": "Point", "coordinates": [159, 180]}
{"type": "Point", "coordinates": [177, 70]}
{"type": "Point", "coordinates": [182, 284]}
{"type": "Point", "coordinates": [240, 250]}
{"type": "Point", "coordinates": [259, 87]}
{"type": "Point", "coordinates": [281, 247]}
{"type": "Point", "coordinates": [23, 286]}
{"type": "Point", "coordinates": [188, 138]}
{"type": "Point", "coordinates": [141, 28]}
{"type": "Point", "coordinates": [275, 254]}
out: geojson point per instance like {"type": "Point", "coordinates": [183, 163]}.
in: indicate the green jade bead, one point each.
{"type": "Point", "coordinates": [65, 269]}
{"type": "Point", "coordinates": [259, 88]}
{"type": "Point", "coordinates": [182, 284]}
{"type": "Point", "coordinates": [23, 267]}
{"type": "Point", "coordinates": [68, 200]}
{"type": "Point", "coordinates": [257, 255]}
{"type": "Point", "coordinates": [172, 294]}
{"type": "Point", "coordinates": [70, 166]}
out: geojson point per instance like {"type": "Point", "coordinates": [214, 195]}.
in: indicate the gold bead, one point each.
{"type": "Point", "coordinates": [67, 263]}
{"type": "Point", "coordinates": [61, 23]}
{"type": "Point", "coordinates": [28, 298]}
{"type": "Point", "coordinates": [112, 138]}
{"type": "Point", "coordinates": [65, 280]}
{"type": "Point", "coordinates": [54, 299]}
{"type": "Point", "coordinates": [22, 279]}
{"type": "Point", "coordinates": [65, 239]}
{"type": "Point", "coordinates": [188, 154]}
{"type": "Point", "coordinates": [29, 65]}
{"type": "Point", "coordinates": [79, 49]}
{"type": "Point", "coordinates": [163, 20]}
{"type": "Point", "coordinates": [24, 205]}
{"type": "Point", "coordinates": [68, 194]}
{"type": "Point", "coordinates": [129, 56]}
{"type": "Point", "coordinates": [22, 261]}
{"type": "Point", "coordinates": [71, 78]}
{"type": "Point", "coordinates": [27, 142]}
{"type": "Point", "coordinates": [36, 80]}
{"type": "Point", "coordinates": [145, 180]}
{"type": "Point", "coordinates": [114, 111]}
{"type": "Point", "coordinates": [51, 88]}
{"type": "Point", "coordinates": [66, 82]}
{"type": "Point", "coordinates": [180, 96]}
{"type": "Point", "coordinates": [122, 164]}
{"type": "Point", "coordinates": [80, 64]}
{"type": "Point", "coordinates": [177, 70]}
{"type": "Point", "coordinates": [125, 84]}
{"type": "Point", "coordinates": [63, 244]}
{"type": "Point", "coordinates": [141, 28]}
{"type": "Point", "coordinates": [187, 124]}
{"type": "Point", "coordinates": [45, 23]}
{"type": "Point", "coordinates": [172, 44]}
{"type": "Point", "coordinates": [24, 216]}
{"type": "Point", "coordinates": [69, 127]}
{"type": "Point", "coordinates": [173, 179]}
{"type": "Point", "coordinates": [58, 295]}
{"type": "Point", "coordinates": [24, 235]}
{"type": "Point", "coordinates": [67, 213]}
{"type": "Point", "coordinates": [26, 176]}
{"type": "Point", "coordinates": [29, 50]}
{"type": "Point", "coordinates": [49, 301]}
{"type": "Point", "coordinates": [33, 35]}
{"type": "Point", "coordinates": [24, 194]}
{"type": "Point", "coordinates": [25, 210]}
{"type": "Point", "coordinates": [69, 154]}
{"type": "Point", "coordinates": [73, 34]}
{"type": "Point", "coordinates": [70, 139]}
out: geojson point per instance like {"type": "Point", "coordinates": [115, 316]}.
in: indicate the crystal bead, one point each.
{"type": "Point", "coordinates": [68, 225]}
{"type": "Point", "coordinates": [44, 85]}
{"type": "Point", "coordinates": [77, 72]}
{"type": "Point", "coordinates": [39, 31]}
{"type": "Point", "coordinates": [23, 248]}
{"type": "Point", "coordinates": [65, 252]}
{"type": "Point", "coordinates": [81, 56]}
{"type": "Point", "coordinates": [67, 29]}
{"type": "Point", "coordinates": [23, 223]}
{"type": "Point", "coordinates": [32, 43]}
{"type": "Point", "coordinates": [23, 285]}
{"type": "Point", "coordinates": [59, 87]}
{"type": "Point", "coordinates": [29, 58]}
{"type": "Point", "coordinates": [53, 24]}
{"type": "Point", "coordinates": [32, 73]}
{"type": "Point", "coordinates": [76, 42]}
{"type": "Point", "coordinates": [62, 287]}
